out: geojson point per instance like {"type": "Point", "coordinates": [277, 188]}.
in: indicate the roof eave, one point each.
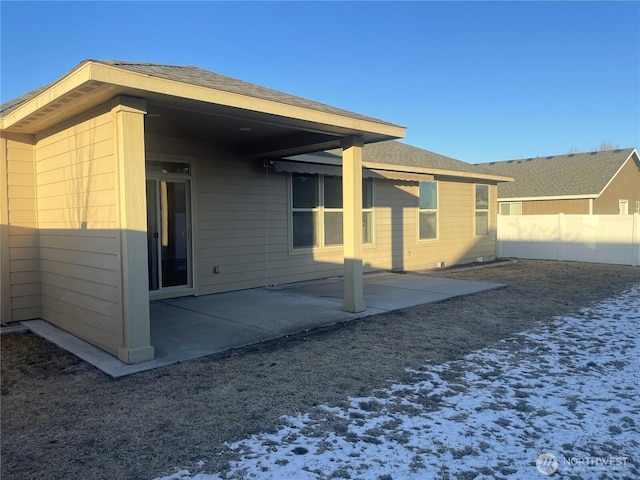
{"type": "Point", "coordinates": [78, 76]}
{"type": "Point", "coordinates": [437, 171]}
{"type": "Point", "coordinates": [631, 154]}
{"type": "Point", "coordinates": [333, 159]}
{"type": "Point", "coordinates": [112, 75]}
{"type": "Point", "coordinates": [585, 196]}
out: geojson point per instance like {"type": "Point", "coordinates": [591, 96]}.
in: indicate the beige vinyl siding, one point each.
{"type": "Point", "coordinates": [243, 227]}
{"type": "Point", "coordinates": [79, 238]}
{"type": "Point", "coordinates": [241, 224]}
{"type": "Point", "coordinates": [21, 287]}
{"type": "Point", "coordinates": [549, 207]}
{"type": "Point", "coordinates": [395, 225]}
{"type": "Point", "coordinates": [397, 245]}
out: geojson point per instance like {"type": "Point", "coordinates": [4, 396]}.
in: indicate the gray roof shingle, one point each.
{"type": "Point", "coordinates": [398, 153]}
{"type": "Point", "coordinates": [9, 105]}
{"type": "Point", "coordinates": [559, 175]}
{"type": "Point", "coordinates": [197, 76]}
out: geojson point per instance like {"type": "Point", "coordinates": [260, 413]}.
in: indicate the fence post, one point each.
{"type": "Point", "coordinates": [560, 236]}
{"type": "Point", "coordinates": [635, 240]}
{"type": "Point", "coordinates": [498, 239]}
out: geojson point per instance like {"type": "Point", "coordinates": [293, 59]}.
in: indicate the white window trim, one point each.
{"type": "Point", "coordinates": [436, 210]}
{"type": "Point", "coordinates": [476, 210]}
{"type": "Point", "coordinates": [319, 223]}
{"type": "Point", "coordinates": [372, 243]}
{"type": "Point", "coordinates": [371, 210]}
{"type": "Point", "coordinates": [194, 287]}
{"type": "Point", "coordinates": [324, 210]}
{"type": "Point", "coordinates": [623, 204]}
{"type": "Point", "coordinates": [510, 205]}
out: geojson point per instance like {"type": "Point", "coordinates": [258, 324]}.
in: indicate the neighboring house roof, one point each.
{"type": "Point", "coordinates": [204, 78]}
{"type": "Point", "coordinates": [394, 155]}
{"type": "Point", "coordinates": [574, 175]}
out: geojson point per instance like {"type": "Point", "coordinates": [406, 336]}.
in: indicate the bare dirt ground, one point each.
{"type": "Point", "coordinates": [61, 418]}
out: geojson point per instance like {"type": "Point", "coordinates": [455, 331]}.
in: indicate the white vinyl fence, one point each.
{"type": "Point", "coordinates": [581, 238]}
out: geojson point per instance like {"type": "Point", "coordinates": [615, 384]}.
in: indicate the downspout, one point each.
{"type": "Point", "coordinates": [267, 165]}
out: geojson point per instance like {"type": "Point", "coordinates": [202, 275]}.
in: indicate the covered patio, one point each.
{"type": "Point", "coordinates": [192, 327]}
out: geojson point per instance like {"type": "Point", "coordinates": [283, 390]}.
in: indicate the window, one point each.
{"type": "Point", "coordinates": [623, 207]}
{"type": "Point", "coordinates": [428, 211]}
{"type": "Point", "coordinates": [317, 214]}
{"type": "Point", "coordinates": [305, 203]}
{"type": "Point", "coordinates": [367, 211]}
{"type": "Point", "coordinates": [332, 211]}
{"type": "Point", "coordinates": [511, 208]}
{"type": "Point", "coordinates": [482, 209]}
{"type": "Point", "coordinates": [167, 166]}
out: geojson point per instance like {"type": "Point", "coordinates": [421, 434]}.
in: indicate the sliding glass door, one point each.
{"type": "Point", "coordinates": [168, 233]}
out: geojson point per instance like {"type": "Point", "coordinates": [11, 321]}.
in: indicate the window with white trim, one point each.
{"type": "Point", "coordinates": [317, 211]}
{"type": "Point", "coordinates": [623, 207]}
{"type": "Point", "coordinates": [428, 211]}
{"type": "Point", "coordinates": [305, 202]}
{"type": "Point", "coordinates": [511, 208]}
{"type": "Point", "coordinates": [367, 211]}
{"type": "Point", "coordinates": [482, 210]}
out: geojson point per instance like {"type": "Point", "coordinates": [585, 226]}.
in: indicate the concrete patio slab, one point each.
{"type": "Point", "coordinates": [279, 311]}
{"type": "Point", "coordinates": [384, 292]}
{"type": "Point", "coordinates": [186, 328]}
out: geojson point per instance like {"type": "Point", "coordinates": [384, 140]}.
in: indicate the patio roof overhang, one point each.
{"type": "Point", "coordinates": [253, 126]}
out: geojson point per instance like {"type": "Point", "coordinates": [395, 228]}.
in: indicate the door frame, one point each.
{"type": "Point", "coordinates": [190, 288]}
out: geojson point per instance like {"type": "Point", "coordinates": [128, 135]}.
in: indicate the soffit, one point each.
{"type": "Point", "coordinates": [269, 128]}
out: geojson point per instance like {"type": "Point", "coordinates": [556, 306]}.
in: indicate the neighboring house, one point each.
{"type": "Point", "coordinates": [605, 182]}
{"type": "Point", "coordinates": [126, 182]}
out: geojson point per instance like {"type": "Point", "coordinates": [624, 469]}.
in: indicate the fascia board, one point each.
{"type": "Point", "coordinates": [435, 171]}
{"type": "Point", "coordinates": [112, 75]}
{"type": "Point", "coordinates": [117, 76]}
{"type": "Point", "coordinates": [617, 172]}
{"type": "Point", "coordinates": [75, 78]}
{"type": "Point", "coordinates": [557, 197]}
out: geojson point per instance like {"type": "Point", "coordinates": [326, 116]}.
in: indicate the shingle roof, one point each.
{"type": "Point", "coordinates": [9, 105]}
{"type": "Point", "coordinates": [559, 175]}
{"type": "Point", "coordinates": [398, 153]}
{"type": "Point", "coordinates": [204, 78]}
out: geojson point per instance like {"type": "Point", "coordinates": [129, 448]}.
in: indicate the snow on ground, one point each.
{"type": "Point", "coordinates": [570, 389]}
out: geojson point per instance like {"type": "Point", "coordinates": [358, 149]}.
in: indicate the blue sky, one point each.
{"type": "Point", "coordinates": [477, 81]}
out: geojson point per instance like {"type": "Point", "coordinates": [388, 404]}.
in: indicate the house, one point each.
{"type": "Point", "coordinates": [127, 182]}
{"type": "Point", "coordinates": [605, 182]}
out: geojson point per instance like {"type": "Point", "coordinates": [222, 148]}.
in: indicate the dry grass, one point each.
{"type": "Point", "coordinates": [61, 418]}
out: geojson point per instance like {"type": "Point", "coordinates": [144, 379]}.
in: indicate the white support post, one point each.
{"type": "Point", "coordinates": [352, 224]}
{"type": "Point", "coordinates": [129, 120]}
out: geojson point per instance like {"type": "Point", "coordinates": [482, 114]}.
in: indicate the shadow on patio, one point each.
{"type": "Point", "coordinates": [192, 327]}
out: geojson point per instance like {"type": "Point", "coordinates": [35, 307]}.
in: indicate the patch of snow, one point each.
{"type": "Point", "coordinates": [569, 389]}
